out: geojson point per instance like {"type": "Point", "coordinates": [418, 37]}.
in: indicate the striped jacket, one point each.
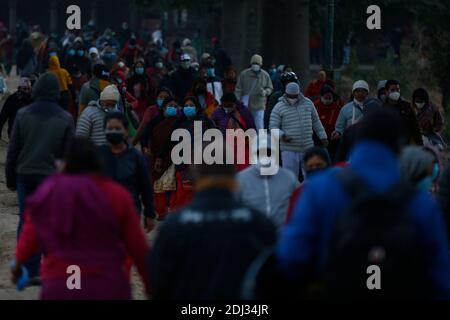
{"type": "Point", "coordinates": [91, 124]}
{"type": "Point", "coordinates": [297, 122]}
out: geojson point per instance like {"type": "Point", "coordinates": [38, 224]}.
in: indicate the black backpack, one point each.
{"type": "Point", "coordinates": [375, 230]}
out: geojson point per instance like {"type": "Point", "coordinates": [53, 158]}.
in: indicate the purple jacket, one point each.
{"type": "Point", "coordinates": [221, 118]}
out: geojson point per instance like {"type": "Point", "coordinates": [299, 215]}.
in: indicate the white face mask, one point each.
{"type": "Point", "coordinates": [256, 67]}
{"type": "Point", "coordinates": [326, 102]}
{"type": "Point", "coordinates": [121, 65]}
{"type": "Point", "coordinates": [394, 96]}
{"type": "Point", "coordinates": [292, 101]}
{"type": "Point", "coordinates": [420, 105]}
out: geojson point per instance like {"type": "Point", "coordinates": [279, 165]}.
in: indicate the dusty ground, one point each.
{"type": "Point", "coordinates": [8, 223]}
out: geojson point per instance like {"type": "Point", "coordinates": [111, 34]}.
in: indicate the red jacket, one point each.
{"type": "Point", "coordinates": [54, 267]}
{"type": "Point", "coordinates": [328, 115]}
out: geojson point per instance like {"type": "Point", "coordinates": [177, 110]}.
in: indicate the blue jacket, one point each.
{"type": "Point", "coordinates": [305, 240]}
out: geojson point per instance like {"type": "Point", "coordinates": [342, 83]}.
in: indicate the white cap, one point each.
{"type": "Point", "coordinates": [93, 50]}
{"type": "Point", "coordinates": [256, 59]}
{"type": "Point", "coordinates": [293, 88]}
{"type": "Point", "coordinates": [185, 57]}
{"type": "Point", "coordinates": [361, 84]}
{"type": "Point", "coordinates": [110, 93]}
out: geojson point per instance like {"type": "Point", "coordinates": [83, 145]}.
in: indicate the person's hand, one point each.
{"type": "Point", "coordinates": [325, 143]}
{"type": "Point", "coordinates": [335, 136]}
{"type": "Point", "coordinates": [285, 138]}
{"type": "Point", "coordinates": [149, 224]}
{"type": "Point", "coordinates": [263, 92]}
{"type": "Point", "coordinates": [16, 272]}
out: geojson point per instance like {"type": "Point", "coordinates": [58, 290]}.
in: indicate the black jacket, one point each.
{"type": "Point", "coordinates": [410, 126]}
{"type": "Point", "coordinates": [204, 252]}
{"type": "Point", "coordinates": [181, 82]}
{"type": "Point", "coordinates": [9, 110]}
{"type": "Point", "coordinates": [129, 169]}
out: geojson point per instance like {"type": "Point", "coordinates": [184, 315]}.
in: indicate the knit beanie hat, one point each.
{"type": "Point", "coordinates": [110, 93]}
{"type": "Point", "coordinates": [293, 88]}
{"type": "Point", "coordinates": [361, 84]}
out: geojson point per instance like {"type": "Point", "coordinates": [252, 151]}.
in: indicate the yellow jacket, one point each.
{"type": "Point", "coordinates": [61, 73]}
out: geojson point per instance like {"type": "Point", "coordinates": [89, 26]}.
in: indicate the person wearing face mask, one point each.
{"type": "Point", "coordinates": [157, 144]}
{"type": "Point", "coordinates": [76, 57]}
{"type": "Point", "coordinates": [269, 194]}
{"type": "Point", "coordinates": [429, 117]}
{"type": "Point", "coordinates": [317, 160]}
{"type": "Point", "coordinates": [381, 91]}
{"type": "Point", "coordinates": [190, 50]}
{"type": "Point", "coordinates": [230, 80]}
{"type": "Point", "coordinates": [233, 115]}
{"type": "Point", "coordinates": [94, 56]}
{"type": "Point", "coordinates": [214, 85]}
{"type": "Point", "coordinates": [253, 87]}
{"type": "Point", "coordinates": [91, 90]}
{"type": "Point", "coordinates": [297, 119]}
{"type": "Point", "coordinates": [65, 82]}
{"type": "Point", "coordinates": [353, 111]}
{"type": "Point", "coordinates": [158, 74]}
{"type": "Point", "coordinates": [182, 80]}
{"type": "Point", "coordinates": [19, 99]}
{"type": "Point", "coordinates": [419, 168]}
{"type": "Point", "coordinates": [328, 107]}
{"type": "Point", "coordinates": [125, 165]}
{"type": "Point", "coordinates": [151, 113]}
{"type": "Point", "coordinates": [313, 89]}
{"type": "Point", "coordinates": [402, 107]}
{"type": "Point", "coordinates": [91, 122]}
{"type": "Point", "coordinates": [132, 50]}
{"type": "Point", "coordinates": [286, 78]}
{"type": "Point", "coordinates": [207, 101]}
{"type": "Point", "coordinates": [140, 86]}
{"type": "Point", "coordinates": [108, 56]}
{"type": "Point", "coordinates": [192, 114]}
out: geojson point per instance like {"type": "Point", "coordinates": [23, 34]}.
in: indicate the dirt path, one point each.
{"type": "Point", "coordinates": [8, 223]}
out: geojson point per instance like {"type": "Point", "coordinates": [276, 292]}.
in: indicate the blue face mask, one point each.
{"type": "Point", "coordinates": [210, 72]}
{"type": "Point", "coordinates": [80, 53]}
{"type": "Point", "coordinates": [71, 52]}
{"type": "Point", "coordinates": [139, 70]}
{"type": "Point", "coordinates": [189, 111]}
{"type": "Point", "coordinates": [425, 184]}
{"type": "Point", "coordinates": [171, 112]}
{"type": "Point", "coordinates": [107, 55]}
{"type": "Point", "coordinates": [159, 102]}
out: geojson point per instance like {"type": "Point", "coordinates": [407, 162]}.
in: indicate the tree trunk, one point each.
{"type": "Point", "coordinates": [298, 38]}
{"type": "Point", "coordinates": [232, 34]}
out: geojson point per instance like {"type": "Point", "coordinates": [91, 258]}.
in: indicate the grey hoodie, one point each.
{"type": "Point", "coordinates": [269, 195]}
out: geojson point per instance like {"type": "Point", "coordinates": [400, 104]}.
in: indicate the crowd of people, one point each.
{"type": "Point", "coordinates": [362, 180]}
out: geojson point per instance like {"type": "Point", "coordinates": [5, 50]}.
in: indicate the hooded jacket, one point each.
{"type": "Point", "coordinates": [40, 133]}
{"type": "Point", "coordinates": [304, 242]}
{"type": "Point", "coordinates": [91, 123]}
{"type": "Point", "coordinates": [64, 79]}
{"type": "Point", "coordinates": [298, 122]}
{"type": "Point", "coordinates": [268, 195]}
